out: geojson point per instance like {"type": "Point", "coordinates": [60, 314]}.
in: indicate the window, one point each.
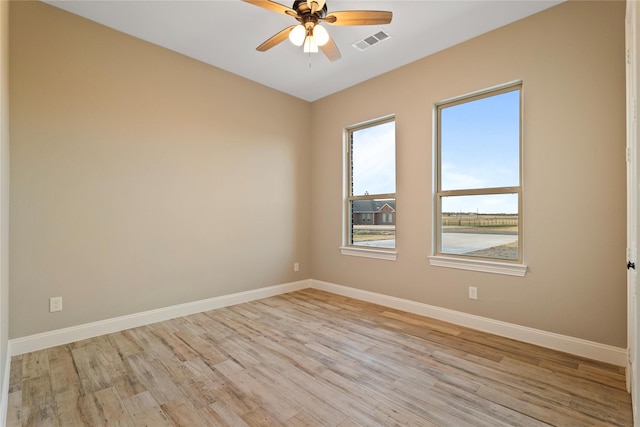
{"type": "Point", "coordinates": [478, 178]}
{"type": "Point", "coordinates": [370, 189]}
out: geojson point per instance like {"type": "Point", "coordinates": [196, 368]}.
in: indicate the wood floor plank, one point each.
{"type": "Point", "coordinates": [349, 423]}
{"type": "Point", "coordinates": [124, 343]}
{"type": "Point", "coordinates": [109, 410]}
{"type": "Point", "coordinates": [14, 409]}
{"type": "Point", "coordinates": [145, 411]}
{"type": "Point", "coordinates": [38, 404]}
{"type": "Point", "coordinates": [223, 415]}
{"type": "Point", "coordinates": [184, 414]}
{"type": "Point", "coordinates": [155, 378]}
{"type": "Point", "coordinates": [303, 419]}
{"type": "Point", "coordinates": [363, 405]}
{"type": "Point", "coordinates": [303, 390]}
{"type": "Point", "coordinates": [68, 410]}
{"type": "Point", "coordinates": [483, 412]}
{"type": "Point", "coordinates": [192, 388]}
{"type": "Point", "coordinates": [173, 341]}
{"type": "Point", "coordinates": [269, 398]}
{"type": "Point", "coordinates": [15, 374]}
{"type": "Point", "coordinates": [35, 364]}
{"type": "Point", "coordinates": [563, 385]}
{"type": "Point", "coordinates": [311, 358]}
{"type": "Point", "coordinates": [128, 384]}
{"type": "Point", "coordinates": [64, 375]}
{"type": "Point", "coordinates": [260, 417]}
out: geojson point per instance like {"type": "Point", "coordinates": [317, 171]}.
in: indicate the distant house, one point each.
{"type": "Point", "coordinates": [373, 212]}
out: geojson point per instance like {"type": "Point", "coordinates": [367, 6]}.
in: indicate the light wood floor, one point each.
{"type": "Point", "coordinates": [310, 358]}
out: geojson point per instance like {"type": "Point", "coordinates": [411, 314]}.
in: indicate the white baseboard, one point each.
{"type": "Point", "coordinates": [589, 349]}
{"type": "Point", "coordinates": [89, 330]}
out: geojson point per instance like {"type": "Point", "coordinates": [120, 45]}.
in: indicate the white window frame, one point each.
{"type": "Point", "coordinates": [347, 247]}
{"type": "Point", "coordinates": [497, 266]}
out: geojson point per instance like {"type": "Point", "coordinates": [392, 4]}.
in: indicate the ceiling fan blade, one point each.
{"type": "Point", "coordinates": [273, 6]}
{"type": "Point", "coordinates": [330, 50]}
{"type": "Point", "coordinates": [276, 39]}
{"type": "Point", "coordinates": [358, 17]}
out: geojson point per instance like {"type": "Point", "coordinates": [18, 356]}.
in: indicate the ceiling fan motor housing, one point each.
{"type": "Point", "coordinates": [304, 11]}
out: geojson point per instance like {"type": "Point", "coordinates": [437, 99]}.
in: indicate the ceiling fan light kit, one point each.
{"type": "Point", "coordinates": [321, 35]}
{"type": "Point", "coordinates": [314, 35]}
{"type": "Point", "coordinates": [309, 33]}
{"type": "Point", "coordinates": [297, 35]}
{"type": "Point", "coordinates": [310, 46]}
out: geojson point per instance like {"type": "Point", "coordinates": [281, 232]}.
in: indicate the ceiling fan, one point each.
{"type": "Point", "coordinates": [309, 32]}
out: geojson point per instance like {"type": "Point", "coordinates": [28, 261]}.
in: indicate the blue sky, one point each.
{"type": "Point", "coordinates": [374, 159]}
{"type": "Point", "coordinates": [480, 149]}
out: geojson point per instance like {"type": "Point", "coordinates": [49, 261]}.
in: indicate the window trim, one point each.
{"type": "Point", "coordinates": [375, 253]}
{"type": "Point", "coordinates": [348, 248]}
{"type": "Point", "coordinates": [479, 264]}
{"type": "Point", "coordinates": [490, 265]}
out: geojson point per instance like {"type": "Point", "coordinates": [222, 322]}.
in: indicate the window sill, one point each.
{"type": "Point", "coordinates": [479, 265]}
{"type": "Point", "coordinates": [368, 253]}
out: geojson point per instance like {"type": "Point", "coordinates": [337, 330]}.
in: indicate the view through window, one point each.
{"type": "Point", "coordinates": [479, 198]}
{"type": "Point", "coordinates": [371, 199]}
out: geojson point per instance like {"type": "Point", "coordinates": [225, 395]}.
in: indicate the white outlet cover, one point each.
{"type": "Point", "coordinates": [55, 304]}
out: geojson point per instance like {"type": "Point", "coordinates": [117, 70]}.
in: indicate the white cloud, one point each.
{"type": "Point", "coordinates": [374, 160]}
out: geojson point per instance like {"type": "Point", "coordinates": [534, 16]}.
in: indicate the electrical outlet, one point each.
{"type": "Point", "coordinates": [296, 266]}
{"type": "Point", "coordinates": [55, 304]}
{"type": "Point", "coordinates": [473, 292]}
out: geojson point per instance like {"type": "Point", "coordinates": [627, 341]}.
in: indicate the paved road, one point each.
{"type": "Point", "coordinates": [462, 243]}
{"type": "Point", "coordinates": [458, 243]}
{"type": "Point", "coordinates": [391, 243]}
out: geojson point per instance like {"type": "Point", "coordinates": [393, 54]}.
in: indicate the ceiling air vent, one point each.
{"type": "Point", "coordinates": [371, 40]}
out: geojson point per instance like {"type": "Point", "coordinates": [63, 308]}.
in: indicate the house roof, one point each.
{"type": "Point", "coordinates": [369, 206]}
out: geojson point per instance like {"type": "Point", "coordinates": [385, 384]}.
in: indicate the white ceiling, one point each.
{"type": "Point", "coordinates": [225, 33]}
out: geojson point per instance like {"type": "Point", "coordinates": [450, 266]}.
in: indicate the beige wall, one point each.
{"type": "Point", "coordinates": [571, 60]}
{"type": "Point", "coordinates": [141, 178]}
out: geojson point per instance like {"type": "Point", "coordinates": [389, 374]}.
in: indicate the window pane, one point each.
{"type": "Point", "coordinates": [373, 160]}
{"type": "Point", "coordinates": [480, 143]}
{"type": "Point", "coordinates": [372, 223]}
{"type": "Point", "coordinates": [482, 226]}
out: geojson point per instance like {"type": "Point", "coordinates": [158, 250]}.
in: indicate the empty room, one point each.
{"type": "Point", "coordinates": [340, 213]}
